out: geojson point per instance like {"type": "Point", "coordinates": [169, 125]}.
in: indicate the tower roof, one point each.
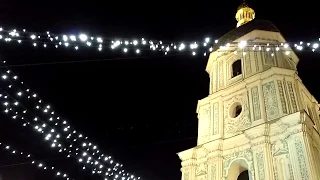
{"type": "Point", "coordinates": [236, 33]}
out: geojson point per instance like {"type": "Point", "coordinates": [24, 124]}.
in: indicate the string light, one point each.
{"type": "Point", "coordinates": [32, 160]}
{"type": "Point", "coordinates": [55, 130]}
{"type": "Point", "coordinates": [76, 42]}
{"type": "Point", "coordinates": [58, 131]}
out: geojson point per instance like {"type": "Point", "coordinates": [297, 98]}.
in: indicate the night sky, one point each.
{"type": "Point", "coordinates": [139, 108]}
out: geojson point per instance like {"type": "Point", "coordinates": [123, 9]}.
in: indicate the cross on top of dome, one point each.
{"type": "Point", "coordinates": [243, 5]}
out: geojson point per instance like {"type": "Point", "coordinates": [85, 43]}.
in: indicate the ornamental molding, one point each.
{"type": "Point", "coordinates": [188, 163]}
{"type": "Point", "coordinates": [243, 121]}
{"type": "Point", "coordinates": [258, 131]}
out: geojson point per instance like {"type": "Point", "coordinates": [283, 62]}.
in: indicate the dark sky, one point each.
{"type": "Point", "coordinates": [140, 109]}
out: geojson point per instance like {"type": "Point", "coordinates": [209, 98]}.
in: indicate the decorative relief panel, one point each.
{"type": "Point", "coordinates": [201, 169]}
{"type": "Point", "coordinates": [301, 159]}
{"type": "Point", "coordinates": [287, 95]}
{"type": "Point", "coordinates": [256, 60]}
{"type": "Point", "coordinates": [215, 118]}
{"type": "Point", "coordinates": [247, 60]}
{"type": "Point", "coordinates": [256, 103]}
{"type": "Point", "coordinates": [270, 100]}
{"type": "Point", "coordinates": [282, 165]}
{"type": "Point", "coordinates": [242, 121]}
{"type": "Point", "coordinates": [280, 147]}
{"type": "Point", "coordinates": [282, 98]}
{"type": "Point", "coordinates": [268, 57]}
{"type": "Point", "coordinates": [282, 168]}
{"type": "Point", "coordinates": [244, 154]}
{"type": "Point", "coordinates": [260, 165]}
{"type": "Point", "coordinates": [292, 97]}
{"type": "Point", "coordinates": [290, 169]}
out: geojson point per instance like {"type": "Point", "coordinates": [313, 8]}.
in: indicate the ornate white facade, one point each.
{"type": "Point", "coordinates": [262, 119]}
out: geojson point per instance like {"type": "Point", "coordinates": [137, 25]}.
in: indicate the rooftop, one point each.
{"type": "Point", "coordinates": [245, 29]}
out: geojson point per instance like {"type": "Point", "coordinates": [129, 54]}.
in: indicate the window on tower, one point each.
{"type": "Point", "coordinates": [236, 68]}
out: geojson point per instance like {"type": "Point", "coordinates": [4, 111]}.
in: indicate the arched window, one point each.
{"type": "Point", "coordinates": [244, 175]}
{"type": "Point", "coordinates": [236, 68]}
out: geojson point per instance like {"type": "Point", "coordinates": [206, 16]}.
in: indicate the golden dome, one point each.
{"type": "Point", "coordinates": [244, 14]}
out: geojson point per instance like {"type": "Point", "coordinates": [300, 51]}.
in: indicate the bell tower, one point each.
{"type": "Point", "coordinates": [259, 121]}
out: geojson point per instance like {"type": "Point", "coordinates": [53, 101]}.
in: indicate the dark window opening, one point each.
{"type": "Point", "coordinates": [243, 176]}
{"type": "Point", "coordinates": [236, 68]}
{"type": "Point", "coordinates": [235, 111]}
{"type": "Point", "coordinates": [238, 111]}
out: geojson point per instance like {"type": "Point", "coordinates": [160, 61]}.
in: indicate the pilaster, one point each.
{"type": "Point", "coordinates": [307, 141]}
{"type": "Point", "coordinates": [298, 156]}
{"type": "Point", "coordinates": [262, 157]}
{"type": "Point", "coordinates": [215, 167]}
{"type": "Point", "coordinates": [189, 169]}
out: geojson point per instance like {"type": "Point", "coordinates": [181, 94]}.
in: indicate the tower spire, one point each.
{"type": "Point", "coordinates": [244, 14]}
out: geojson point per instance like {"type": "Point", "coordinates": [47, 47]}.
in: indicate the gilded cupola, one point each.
{"type": "Point", "coordinates": [244, 14]}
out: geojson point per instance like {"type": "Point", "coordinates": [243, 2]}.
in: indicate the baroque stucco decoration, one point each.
{"type": "Point", "coordinates": [280, 147]}
{"type": "Point", "coordinates": [301, 155]}
{"type": "Point", "coordinates": [245, 155]}
{"type": "Point", "coordinates": [282, 165]}
{"type": "Point", "coordinates": [276, 134]}
{"type": "Point", "coordinates": [201, 169]}
{"type": "Point", "coordinates": [243, 121]}
{"type": "Point", "coordinates": [271, 101]}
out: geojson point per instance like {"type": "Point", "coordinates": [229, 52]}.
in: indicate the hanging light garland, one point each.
{"type": "Point", "coordinates": [31, 160]}
{"type": "Point", "coordinates": [76, 42]}
{"type": "Point", "coordinates": [55, 130]}
{"type": "Point", "coordinates": [58, 131]}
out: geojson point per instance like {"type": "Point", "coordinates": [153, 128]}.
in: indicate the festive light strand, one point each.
{"type": "Point", "coordinates": [31, 160]}
{"type": "Point", "coordinates": [137, 45]}
{"type": "Point", "coordinates": [39, 128]}
{"type": "Point", "coordinates": [54, 129]}
{"type": "Point", "coordinates": [75, 143]}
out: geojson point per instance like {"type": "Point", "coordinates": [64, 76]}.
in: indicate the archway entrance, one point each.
{"type": "Point", "coordinates": [244, 175]}
{"type": "Point", "coordinates": [238, 170]}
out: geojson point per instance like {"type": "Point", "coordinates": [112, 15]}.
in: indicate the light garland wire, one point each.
{"type": "Point", "coordinates": [138, 45]}
{"type": "Point", "coordinates": [31, 160]}
{"type": "Point", "coordinates": [84, 40]}
{"type": "Point", "coordinates": [38, 127]}
{"type": "Point", "coordinates": [87, 149]}
{"type": "Point", "coordinates": [41, 128]}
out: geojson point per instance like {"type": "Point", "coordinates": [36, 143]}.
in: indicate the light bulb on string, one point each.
{"type": "Point", "coordinates": [55, 142]}
{"type": "Point", "coordinates": [102, 44]}
{"type": "Point", "coordinates": [154, 45]}
{"type": "Point", "coordinates": [40, 129]}
{"type": "Point", "coordinates": [40, 165]}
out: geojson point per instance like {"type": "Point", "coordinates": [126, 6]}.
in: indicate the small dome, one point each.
{"type": "Point", "coordinates": [243, 5]}
{"type": "Point", "coordinates": [244, 14]}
